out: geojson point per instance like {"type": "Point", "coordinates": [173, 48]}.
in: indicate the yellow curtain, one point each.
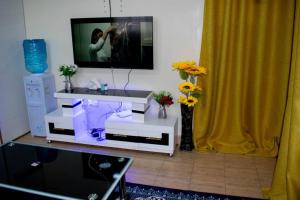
{"type": "Point", "coordinates": [246, 46]}
{"type": "Point", "coordinates": [286, 181]}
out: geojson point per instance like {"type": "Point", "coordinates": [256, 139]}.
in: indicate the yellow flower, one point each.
{"type": "Point", "coordinates": [203, 70]}
{"type": "Point", "coordinates": [183, 65]}
{"type": "Point", "coordinates": [182, 99]}
{"type": "Point", "coordinates": [186, 87]}
{"type": "Point", "coordinates": [191, 101]}
{"type": "Point", "coordinates": [197, 88]}
{"type": "Point", "coordinates": [196, 70]}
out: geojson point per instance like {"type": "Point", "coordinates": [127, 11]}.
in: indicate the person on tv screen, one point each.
{"type": "Point", "coordinates": [96, 51]}
{"type": "Point", "coordinates": [125, 42]}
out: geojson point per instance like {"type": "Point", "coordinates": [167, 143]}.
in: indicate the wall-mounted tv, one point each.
{"type": "Point", "coordinates": [115, 42]}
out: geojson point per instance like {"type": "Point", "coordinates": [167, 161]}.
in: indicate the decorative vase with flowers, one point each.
{"type": "Point", "coordinates": [189, 72]}
{"type": "Point", "coordinates": [163, 98]}
{"type": "Point", "coordinates": [68, 71]}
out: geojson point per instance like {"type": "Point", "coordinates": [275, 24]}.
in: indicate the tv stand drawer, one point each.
{"type": "Point", "coordinates": [122, 132]}
{"type": "Point", "coordinates": [163, 140]}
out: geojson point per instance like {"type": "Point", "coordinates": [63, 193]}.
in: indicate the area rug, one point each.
{"type": "Point", "coordinates": [146, 192]}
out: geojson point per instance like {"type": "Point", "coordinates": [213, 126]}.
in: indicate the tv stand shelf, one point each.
{"type": "Point", "coordinates": [134, 96]}
{"type": "Point", "coordinates": [139, 131]}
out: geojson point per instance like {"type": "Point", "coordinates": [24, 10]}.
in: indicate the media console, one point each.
{"type": "Point", "coordinates": [139, 129]}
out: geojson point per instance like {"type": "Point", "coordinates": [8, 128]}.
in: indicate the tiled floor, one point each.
{"type": "Point", "coordinates": [206, 172]}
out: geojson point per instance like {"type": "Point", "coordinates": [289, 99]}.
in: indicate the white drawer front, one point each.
{"type": "Point", "coordinates": [122, 131]}
{"type": "Point", "coordinates": [150, 133]}
{"type": "Point", "coordinates": [67, 124]}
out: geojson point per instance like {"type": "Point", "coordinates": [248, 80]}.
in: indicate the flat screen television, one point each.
{"type": "Point", "coordinates": [115, 42]}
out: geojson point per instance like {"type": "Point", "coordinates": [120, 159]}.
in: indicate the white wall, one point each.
{"type": "Point", "coordinates": [177, 36]}
{"type": "Point", "coordinates": [13, 113]}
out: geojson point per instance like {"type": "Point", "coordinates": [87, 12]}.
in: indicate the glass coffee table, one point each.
{"type": "Point", "coordinates": [39, 172]}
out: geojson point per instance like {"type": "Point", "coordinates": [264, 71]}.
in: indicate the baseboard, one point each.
{"type": "Point", "coordinates": [21, 136]}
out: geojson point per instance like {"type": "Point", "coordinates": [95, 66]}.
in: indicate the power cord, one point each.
{"type": "Point", "coordinates": [121, 7]}
{"type": "Point", "coordinates": [118, 112]}
{"type": "Point", "coordinates": [109, 8]}
{"type": "Point", "coordinates": [120, 106]}
{"type": "Point", "coordinates": [128, 79]}
{"type": "Point", "coordinates": [113, 77]}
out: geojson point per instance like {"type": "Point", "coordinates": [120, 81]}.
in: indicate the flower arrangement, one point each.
{"type": "Point", "coordinates": [67, 70]}
{"type": "Point", "coordinates": [189, 72]}
{"type": "Point", "coordinates": [163, 98]}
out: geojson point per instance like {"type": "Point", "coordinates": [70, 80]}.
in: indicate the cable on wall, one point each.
{"type": "Point", "coordinates": [107, 6]}
{"type": "Point", "coordinates": [113, 77]}
{"type": "Point", "coordinates": [128, 79]}
{"type": "Point", "coordinates": [110, 7]}
{"type": "Point", "coordinates": [109, 3]}
{"type": "Point", "coordinates": [121, 7]}
{"type": "Point", "coordinates": [112, 69]}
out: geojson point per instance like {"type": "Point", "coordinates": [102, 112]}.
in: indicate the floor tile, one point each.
{"type": "Point", "coordinates": [207, 175]}
{"type": "Point", "coordinates": [146, 166]}
{"type": "Point", "coordinates": [211, 187]}
{"type": "Point", "coordinates": [239, 161]}
{"type": "Point", "coordinates": [265, 165]}
{"type": "Point", "coordinates": [265, 179]}
{"type": "Point", "coordinates": [176, 170]}
{"type": "Point", "coordinates": [172, 182]}
{"type": "Point", "coordinates": [241, 177]}
{"type": "Point", "coordinates": [181, 157]}
{"type": "Point", "coordinates": [140, 178]}
{"type": "Point", "coordinates": [235, 190]}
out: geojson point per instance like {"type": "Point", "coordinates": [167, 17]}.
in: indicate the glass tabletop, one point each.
{"type": "Point", "coordinates": [110, 92]}
{"type": "Point", "coordinates": [59, 173]}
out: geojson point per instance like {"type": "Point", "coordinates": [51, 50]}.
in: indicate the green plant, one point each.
{"type": "Point", "coordinates": [67, 70]}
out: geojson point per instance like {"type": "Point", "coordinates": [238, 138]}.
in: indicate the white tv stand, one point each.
{"type": "Point", "coordinates": [139, 131]}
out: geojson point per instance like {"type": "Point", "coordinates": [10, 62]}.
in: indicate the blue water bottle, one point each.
{"type": "Point", "coordinates": [35, 55]}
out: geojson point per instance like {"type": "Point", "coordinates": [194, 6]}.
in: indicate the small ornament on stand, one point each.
{"type": "Point", "coordinates": [163, 98]}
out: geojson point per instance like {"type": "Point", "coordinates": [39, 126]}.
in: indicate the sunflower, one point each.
{"type": "Point", "coordinates": [203, 70]}
{"type": "Point", "coordinates": [186, 87]}
{"type": "Point", "coordinates": [182, 99]}
{"type": "Point", "coordinates": [195, 70]}
{"type": "Point", "coordinates": [183, 65]}
{"type": "Point", "coordinates": [191, 101]}
{"type": "Point", "coordinates": [198, 89]}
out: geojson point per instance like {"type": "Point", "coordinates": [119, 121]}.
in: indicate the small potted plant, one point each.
{"type": "Point", "coordinates": [163, 98]}
{"type": "Point", "coordinates": [68, 71]}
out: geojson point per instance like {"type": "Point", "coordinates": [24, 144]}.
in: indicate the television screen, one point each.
{"type": "Point", "coordinates": [118, 42]}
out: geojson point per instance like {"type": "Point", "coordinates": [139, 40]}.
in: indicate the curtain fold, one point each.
{"type": "Point", "coordinates": [286, 181]}
{"type": "Point", "coordinates": [246, 46]}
